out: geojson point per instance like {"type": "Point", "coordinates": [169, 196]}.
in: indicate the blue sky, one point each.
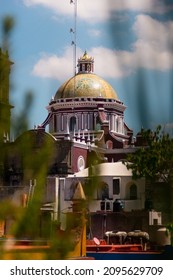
{"type": "Point", "coordinates": [130, 40]}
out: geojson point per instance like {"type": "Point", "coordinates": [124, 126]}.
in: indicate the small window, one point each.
{"type": "Point", "coordinates": [133, 192]}
{"type": "Point", "coordinates": [116, 186]}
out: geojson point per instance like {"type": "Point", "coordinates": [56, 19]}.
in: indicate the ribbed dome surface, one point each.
{"type": "Point", "coordinates": [86, 85]}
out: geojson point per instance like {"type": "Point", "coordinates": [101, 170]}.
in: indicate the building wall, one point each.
{"type": "Point", "coordinates": [94, 205]}
{"type": "Point", "coordinates": [76, 153]}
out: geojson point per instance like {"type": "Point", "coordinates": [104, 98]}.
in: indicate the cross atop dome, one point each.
{"type": "Point", "coordinates": [85, 64]}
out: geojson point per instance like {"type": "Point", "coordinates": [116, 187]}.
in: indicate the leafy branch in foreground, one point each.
{"type": "Point", "coordinates": [155, 160]}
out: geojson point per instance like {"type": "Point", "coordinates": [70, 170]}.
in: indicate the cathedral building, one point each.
{"type": "Point", "coordinates": [86, 130]}
{"type": "Point", "coordinates": [85, 124]}
{"type": "Point", "coordinates": [87, 112]}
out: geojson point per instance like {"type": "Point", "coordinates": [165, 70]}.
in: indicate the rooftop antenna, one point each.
{"type": "Point", "coordinates": [74, 31]}
{"type": "Point", "coordinates": [73, 43]}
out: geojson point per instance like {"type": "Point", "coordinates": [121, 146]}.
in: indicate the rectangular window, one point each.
{"type": "Point", "coordinates": [62, 122]}
{"type": "Point", "coordinates": [68, 193]}
{"type": "Point", "coordinates": [82, 126]}
{"type": "Point", "coordinates": [55, 123]}
{"type": "Point", "coordinates": [116, 186]}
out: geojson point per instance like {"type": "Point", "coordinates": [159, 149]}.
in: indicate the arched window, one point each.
{"type": "Point", "coordinates": [109, 144]}
{"type": "Point", "coordinates": [103, 191]}
{"type": "Point", "coordinates": [133, 192]}
{"type": "Point", "coordinates": [72, 125]}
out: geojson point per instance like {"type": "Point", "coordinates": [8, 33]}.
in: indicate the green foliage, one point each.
{"type": "Point", "coordinates": [9, 210]}
{"type": "Point", "coordinates": [34, 161]}
{"type": "Point", "coordinates": [155, 160]}
{"type": "Point", "coordinates": [8, 24]}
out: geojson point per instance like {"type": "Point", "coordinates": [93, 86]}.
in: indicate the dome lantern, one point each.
{"type": "Point", "coordinates": [85, 64]}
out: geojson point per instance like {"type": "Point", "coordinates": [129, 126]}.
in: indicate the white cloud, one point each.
{"type": "Point", "coordinates": [111, 63]}
{"type": "Point", "coordinates": [90, 11]}
{"type": "Point", "coordinates": [152, 50]}
{"type": "Point", "coordinates": [159, 34]}
{"type": "Point", "coordinates": [94, 32]}
{"type": "Point", "coordinates": [55, 5]}
{"type": "Point", "coordinates": [146, 6]}
{"type": "Point", "coordinates": [100, 10]}
{"type": "Point", "coordinates": [56, 67]}
{"type": "Point", "coordinates": [53, 66]}
{"type": "Point", "coordinates": [108, 63]}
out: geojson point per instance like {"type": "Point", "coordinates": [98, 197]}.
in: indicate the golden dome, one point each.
{"type": "Point", "coordinates": [86, 85]}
